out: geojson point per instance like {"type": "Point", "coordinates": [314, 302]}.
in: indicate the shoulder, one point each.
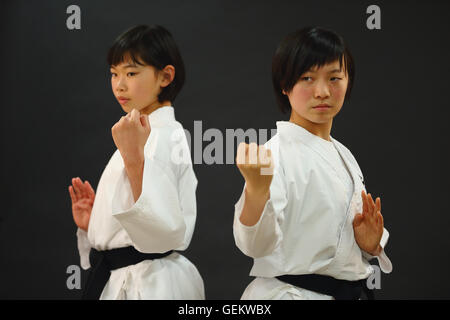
{"type": "Point", "coordinates": [273, 144]}
{"type": "Point", "coordinates": [168, 145]}
{"type": "Point", "coordinates": [166, 136]}
{"type": "Point", "coordinates": [171, 131]}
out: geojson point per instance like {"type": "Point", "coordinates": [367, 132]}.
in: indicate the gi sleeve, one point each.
{"type": "Point", "coordinates": [188, 203]}
{"type": "Point", "coordinates": [262, 238]}
{"type": "Point", "coordinates": [84, 248]}
{"type": "Point", "coordinates": [155, 222]}
{"type": "Point", "coordinates": [383, 260]}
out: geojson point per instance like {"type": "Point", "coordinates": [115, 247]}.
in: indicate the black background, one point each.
{"type": "Point", "coordinates": [58, 109]}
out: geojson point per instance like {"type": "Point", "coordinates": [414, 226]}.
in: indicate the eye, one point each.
{"type": "Point", "coordinates": [113, 74]}
{"type": "Point", "coordinates": [305, 78]}
{"type": "Point", "coordinates": [336, 78]}
{"type": "Point", "coordinates": [132, 73]}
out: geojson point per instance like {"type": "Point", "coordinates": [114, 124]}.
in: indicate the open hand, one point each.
{"type": "Point", "coordinates": [368, 225]}
{"type": "Point", "coordinates": [82, 196]}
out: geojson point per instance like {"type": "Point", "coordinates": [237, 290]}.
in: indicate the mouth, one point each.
{"type": "Point", "coordinates": [322, 107]}
{"type": "Point", "coordinates": [123, 100]}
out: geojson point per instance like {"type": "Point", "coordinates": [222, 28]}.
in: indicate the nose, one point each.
{"type": "Point", "coordinates": [321, 90]}
{"type": "Point", "coordinates": [120, 84]}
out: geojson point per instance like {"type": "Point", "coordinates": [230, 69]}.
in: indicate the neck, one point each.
{"type": "Point", "coordinates": [152, 107]}
{"type": "Point", "coordinates": [321, 130]}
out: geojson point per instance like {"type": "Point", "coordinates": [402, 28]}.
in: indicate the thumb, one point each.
{"type": "Point", "coordinates": [144, 121]}
{"type": "Point", "coordinates": [357, 220]}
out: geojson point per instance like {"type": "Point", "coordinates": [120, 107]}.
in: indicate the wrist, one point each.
{"type": "Point", "coordinates": [135, 162]}
{"type": "Point", "coordinates": [134, 168]}
{"type": "Point", "coordinates": [256, 192]}
{"type": "Point", "coordinates": [377, 251]}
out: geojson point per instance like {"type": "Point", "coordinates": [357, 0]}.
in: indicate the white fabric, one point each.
{"type": "Point", "coordinates": [341, 169]}
{"type": "Point", "coordinates": [274, 289]}
{"type": "Point", "coordinates": [161, 219]}
{"type": "Point", "coordinates": [306, 225]}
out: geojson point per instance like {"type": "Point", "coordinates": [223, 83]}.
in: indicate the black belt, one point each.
{"type": "Point", "coordinates": [339, 289]}
{"type": "Point", "coordinates": [102, 262]}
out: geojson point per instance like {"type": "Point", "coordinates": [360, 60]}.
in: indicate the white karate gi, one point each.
{"type": "Point", "coordinates": [306, 225]}
{"type": "Point", "coordinates": [162, 218]}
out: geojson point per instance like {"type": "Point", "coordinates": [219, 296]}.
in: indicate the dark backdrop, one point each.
{"type": "Point", "coordinates": [58, 109]}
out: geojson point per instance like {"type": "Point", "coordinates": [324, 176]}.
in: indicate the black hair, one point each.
{"type": "Point", "coordinates": [150, 45]}
{"type": "Point", "coordinates": [302, 50]}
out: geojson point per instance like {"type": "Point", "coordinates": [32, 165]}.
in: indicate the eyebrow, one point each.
{"type": "Point", "coordinates": [332, 71]}
{"type": "Point", "coordinates": [127, 66]}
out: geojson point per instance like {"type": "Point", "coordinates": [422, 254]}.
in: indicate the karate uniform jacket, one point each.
{"type": "Point", "coordinates": [162, 218]}
{"type": "Point", "coordinates": [306, 225]}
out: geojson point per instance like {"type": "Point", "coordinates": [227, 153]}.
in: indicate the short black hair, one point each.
{"type": "Point", "coordinates": [150, 45]}
{"type": "Point", "coordinates": [302, 50]}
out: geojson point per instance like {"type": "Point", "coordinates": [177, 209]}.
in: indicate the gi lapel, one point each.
{"type": "Point", "coordinates": [312, 141]}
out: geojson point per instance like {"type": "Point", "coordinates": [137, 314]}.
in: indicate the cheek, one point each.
{"type": "Point", "coordinates": [304, 94]}
{"type": "Point", "coordinates": [339, 91]}
{"type": "Point", "coordinates": [300, 96]}
{"type": "Point", "coordinates": [138, 90]}
{"type": "Point", "coordinates": [146, 88]}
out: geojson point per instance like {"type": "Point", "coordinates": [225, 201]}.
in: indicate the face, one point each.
{"type": "Point", "coordinates": [138, 85]}
{"type": "Point", "coordinates": [325, 85]}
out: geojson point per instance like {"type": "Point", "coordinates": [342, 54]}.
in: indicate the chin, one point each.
{"type": "Point", "coordinates": [321, 120]}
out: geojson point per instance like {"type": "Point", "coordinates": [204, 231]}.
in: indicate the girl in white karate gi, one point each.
{"type": "Point", "coordinates": [304, 212]}
{"type": "Point", "coordinates": [145, 199]}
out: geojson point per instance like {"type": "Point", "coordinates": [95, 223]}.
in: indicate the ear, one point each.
{"type": "Point", "coordinates": [284, 92]}
{"type": "Point", "coordinates": [167, 74]}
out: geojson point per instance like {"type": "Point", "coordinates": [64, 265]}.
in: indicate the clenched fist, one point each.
{"type": "Point", "coordinates": [130, 134]}
{"type": "Point", "coordinates": [255, 164]}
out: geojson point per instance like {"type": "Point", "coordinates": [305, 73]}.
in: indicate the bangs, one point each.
{"type": "Point", "coordinates": [320, 54]}
{"type": "Point", "coordinates": [119, 53]}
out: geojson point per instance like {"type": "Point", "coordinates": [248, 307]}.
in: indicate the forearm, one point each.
{"type": "Point", "coordinates": [255, 201]}
{"type": "Point", "coordinates": [135, 172]}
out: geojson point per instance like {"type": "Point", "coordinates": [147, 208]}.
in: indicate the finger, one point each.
{"type": "Point", "coordinates": [380, 219]}
{"type": "Point", "coordinates": [365, 203]}
{"type": "Point", "coordinates": [267, 167]}
{"type": "Point", "coordinates": [265, 156]}
{"type": "Point", "coordinates": [253, 153]}
{"type": "Point", "coordinates": [80, 186]}
{"type": "Point", "coordinates": [90, 190]}
{"type": "Point", "coordinates": [144, 121]}
{"type": "Point", "coordinates": [240, 157]}
{"type": "Point", "coordinates": [247, 151]}
{"type": "Point", "coordinates": [76, 189]}
{"type": "Point", "coordinates": [134, 115]}
{"type": "Point", "coordinates": [378, 201]}
{"type": "Point", "coordinates": [73, 196]}
{"type": "Point", "coordinates": [83, 188]}
{"type": "Point", "coordinates": [371, 206]}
